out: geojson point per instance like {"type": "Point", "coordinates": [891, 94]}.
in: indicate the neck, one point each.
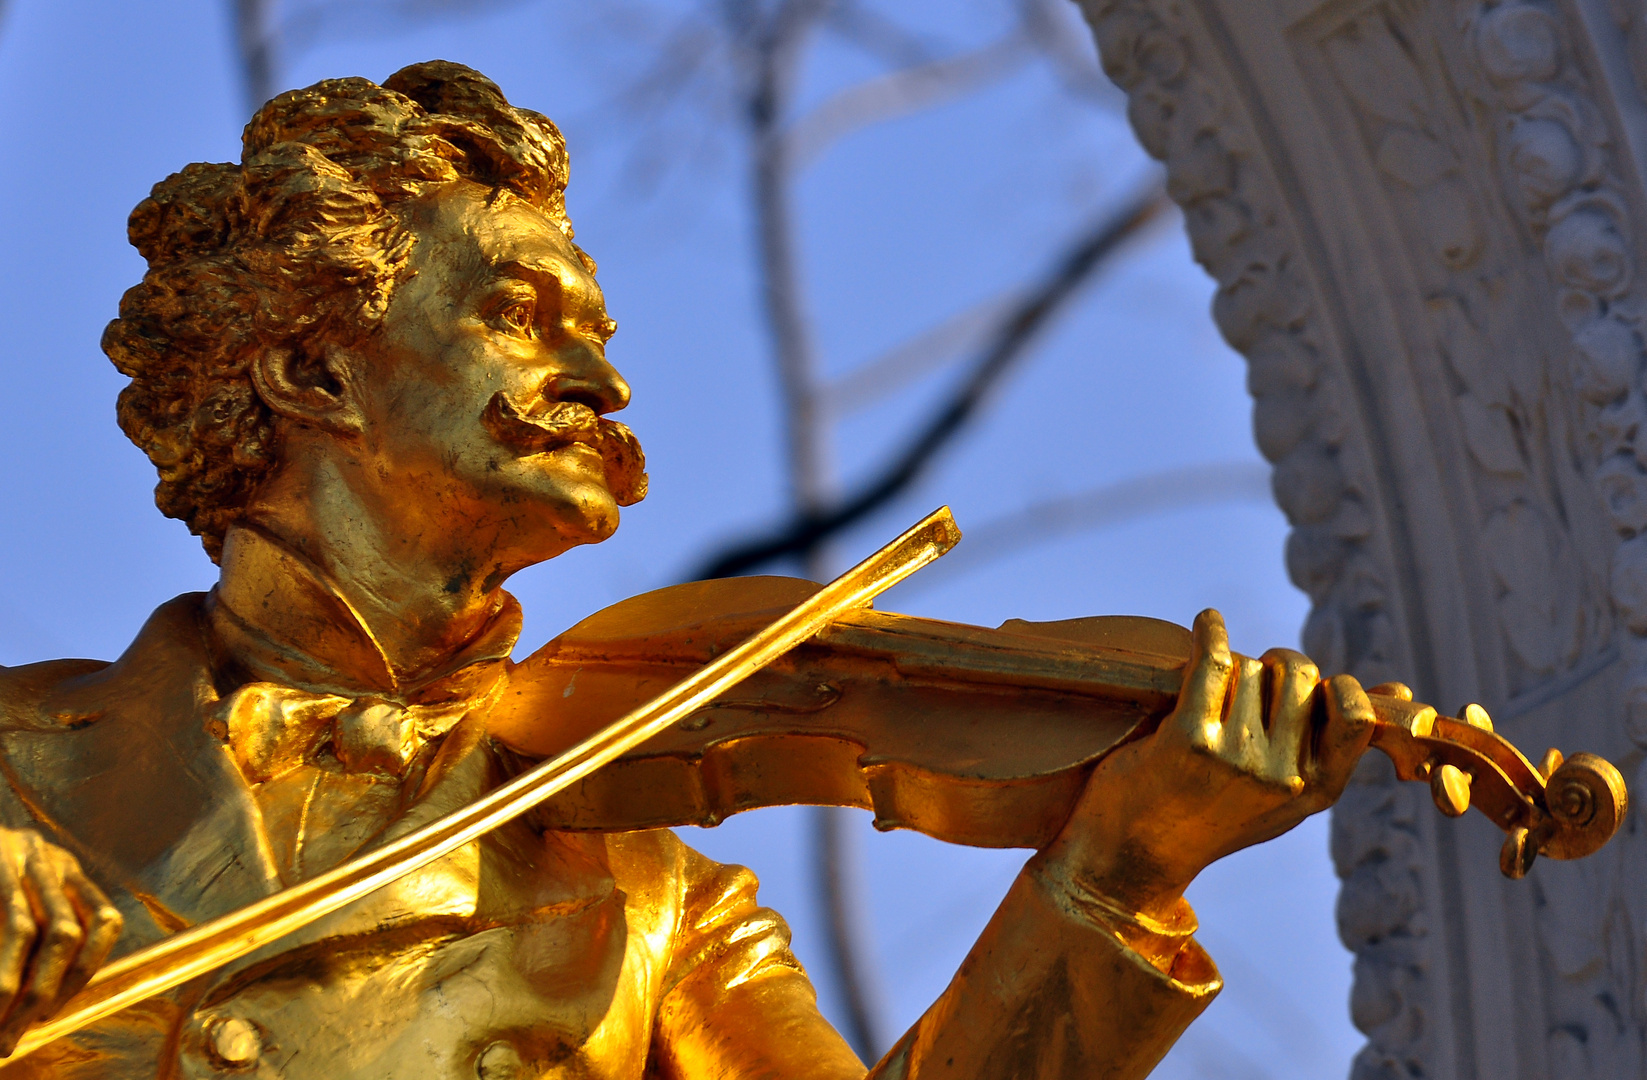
{"type": "Point", "coordinates": [411, 582]}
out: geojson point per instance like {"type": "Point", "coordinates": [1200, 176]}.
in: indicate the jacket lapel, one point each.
{"type": "Point", "coordinates": [124, 771]}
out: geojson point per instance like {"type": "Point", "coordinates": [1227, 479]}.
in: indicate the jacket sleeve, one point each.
{"type": "Point", "coordinates": [735, 1002]}
{"type": "Point", "coordinates": [1056, 988]}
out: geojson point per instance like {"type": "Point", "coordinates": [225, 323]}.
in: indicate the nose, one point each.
{"type": "Point", "coordinates": [582, 374]}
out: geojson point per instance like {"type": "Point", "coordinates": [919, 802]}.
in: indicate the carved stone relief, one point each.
{"type": "Point", "coordinates": [1425, 218]}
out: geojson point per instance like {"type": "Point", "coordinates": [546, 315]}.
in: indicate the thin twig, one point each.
{"type": "Point", "coordinates": [254, 38]}
{"type": "Point", "coordinates": [1056, 30]}
{"type": "Point", "coordinates": [805, 531]}
{"type": "Point", "coordinates": [880, 36]}
{"type": "Point", "coordinates": [845, 927]}
{"type": "Point", "coordinates": [330, 18]}
{"type": "Point", "coordinates": [1112, 504]}
{"type": "Point", "coordinates": [902, 92]}
{"type": "Point", "coordinates": [681, 56]}
{"type": "Point", "coordinates": [924, 354]}
{"type": "Point", "coordinates": [772, 46]}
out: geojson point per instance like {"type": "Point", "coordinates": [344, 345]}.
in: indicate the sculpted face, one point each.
{"type": "Point", "coordinates": [479, 401]}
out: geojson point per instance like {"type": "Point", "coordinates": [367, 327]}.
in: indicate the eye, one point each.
{"type": "Point", "coordinates": [519, 315]}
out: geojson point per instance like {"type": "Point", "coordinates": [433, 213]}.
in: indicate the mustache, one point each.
{"type": "Point", "coordinates": [545, 425]}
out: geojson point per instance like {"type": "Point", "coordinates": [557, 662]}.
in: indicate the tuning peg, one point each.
{"type": "Point", "coordinates": [1450, 787]}
{"type": "Point", "coordinates": [1551, 761]}
{"type": "Point", "coordinates": [1475, 716]}
{"type": "Point", "coordinates": [1516, 857]}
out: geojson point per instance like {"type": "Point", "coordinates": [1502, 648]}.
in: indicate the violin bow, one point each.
{"type": "Point", "coordinates": [209, 945]}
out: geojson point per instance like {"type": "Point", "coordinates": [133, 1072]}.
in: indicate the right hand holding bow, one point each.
{"type": "Point", "coordinates": [58, 929]}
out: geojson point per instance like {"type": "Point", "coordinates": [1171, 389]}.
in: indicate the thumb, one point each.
{"type": "Point", "coordinates": [1206, 677]}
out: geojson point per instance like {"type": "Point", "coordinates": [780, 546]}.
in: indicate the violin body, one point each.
{"type": "Point", "coordinates": [970, 735]}
{"type": "Point", "coordinates": [974, 736]}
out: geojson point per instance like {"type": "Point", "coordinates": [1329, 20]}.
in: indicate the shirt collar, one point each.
{"type": "Point", "coordinates": [277, 616]}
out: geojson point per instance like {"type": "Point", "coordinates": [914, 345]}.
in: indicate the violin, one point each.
{"type": "Point", "coordinates": [970, 735]}
{"type": "Point", "coordinates": [685, 705]}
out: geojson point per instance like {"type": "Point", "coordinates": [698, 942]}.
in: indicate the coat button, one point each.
{"type": "Point", "coordinates": [500, 1061]}
{"type": "Point", "coordinates": [234, 1042]}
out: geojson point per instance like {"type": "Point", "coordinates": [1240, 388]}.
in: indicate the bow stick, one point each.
{"type": "Point", "coordinates": [201, 948]}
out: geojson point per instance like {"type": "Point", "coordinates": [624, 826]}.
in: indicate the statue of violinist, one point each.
{"type": "Point", "coordinates": [368, 362]}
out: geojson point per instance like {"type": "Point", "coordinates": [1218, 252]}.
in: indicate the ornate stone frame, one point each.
{"type": "Point", "coordinates": [1424, 218]}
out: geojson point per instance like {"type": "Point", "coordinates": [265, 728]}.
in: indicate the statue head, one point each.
{"type": "Point", "coordinates": [385, 289]}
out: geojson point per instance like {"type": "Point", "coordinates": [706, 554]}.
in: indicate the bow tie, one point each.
{"type": "Point", "coordinates": [272, 729]}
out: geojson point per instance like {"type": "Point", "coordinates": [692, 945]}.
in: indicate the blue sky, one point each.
{"type": "Point", "coordinates": [901, 226]}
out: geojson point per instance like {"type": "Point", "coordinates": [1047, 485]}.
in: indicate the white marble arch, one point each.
{"type": "Point", "coordinates": [1425, 218]}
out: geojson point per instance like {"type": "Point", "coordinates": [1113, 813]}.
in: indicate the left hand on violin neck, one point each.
{"type": "Point", "coordinates": [1252, 748]}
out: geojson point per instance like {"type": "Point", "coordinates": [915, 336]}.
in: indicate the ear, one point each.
{"type": "Point", "coordinates": [320, 391]}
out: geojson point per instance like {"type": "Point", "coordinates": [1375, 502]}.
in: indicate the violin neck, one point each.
{"type": "Point", "coordinates": [1099, 657]}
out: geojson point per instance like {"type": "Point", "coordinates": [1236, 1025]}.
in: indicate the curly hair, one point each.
{"type": "Point", "coordinates": [301, 243]}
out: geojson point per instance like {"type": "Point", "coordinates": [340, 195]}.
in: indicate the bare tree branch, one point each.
{"type": "Point", "coordinates": [687, 67]}
{"type": "Point", "coordinates": [902, 92]}
{"type": "Point", "coordinates": [330, 18]}
{"type": "Point", "coordinates": [1056, 30]}
{"type": "Point", "coordinates": [255, 41]}
{"type": "Point", "coordinates": [772, 46]}
{"type": "Point", "coordinates": [258, 34]}
{"type": "Point", "coordinates": [262, 42]}
{"type": "Point", "coordinates": [920, 356]}
{"type": "Point", "coordinates": [880, 36]}
{"type": "Point", "coordinates": [840, 895]}
{"type": "Point", "coordinates": [1111, 504]}
{"type": "Point", "coordinates": [804, 532]}
{"type": "Point", "coordinates": [681, 57]}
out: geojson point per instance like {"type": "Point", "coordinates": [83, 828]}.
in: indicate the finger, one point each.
{"type": "Point", "coordinates": [1344, 738]}
{"type": "Point", "coordinates": [60, 939]}
{"type": "Point", "coordinates": [17, 934]}
{"type": "Point", "coordinates": [1292, 679]}
{"type": "Point", "coordinates": [101, 919]}
{"type": "Point", "coordinates": [1206, 680]}
{"type": "Point", "coordinates": [1244, 740]}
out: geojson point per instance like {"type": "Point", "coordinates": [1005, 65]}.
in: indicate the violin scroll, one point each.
{"type": "Point", "coordinates": [1562, 808]}
{"type": "Point", "coordinates": [1584, 803]}
{"type": "Point", "coordinates": [1587, 801]}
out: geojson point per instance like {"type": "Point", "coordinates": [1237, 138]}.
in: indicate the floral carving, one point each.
{"type": "Point", "coordinates": [1489, 143]}
{"type": "Point", "coordinates": [1559, 152]}
{"type": "Point", "coordinates": [1553, 611]}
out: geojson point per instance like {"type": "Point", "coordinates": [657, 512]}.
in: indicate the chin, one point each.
{"type": "Point", "coordinates": [586, 515]}
{"type": "Point", "coordinates": [573, 506]}
{"type": "Point", "coordinates": [558, 526]}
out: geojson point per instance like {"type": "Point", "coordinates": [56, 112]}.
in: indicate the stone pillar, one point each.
{"type": "Point", "coordinates": [1425, 217]}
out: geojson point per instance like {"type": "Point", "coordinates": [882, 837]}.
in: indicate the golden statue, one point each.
{"type": "Point", "coordinates": [368, 363]}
